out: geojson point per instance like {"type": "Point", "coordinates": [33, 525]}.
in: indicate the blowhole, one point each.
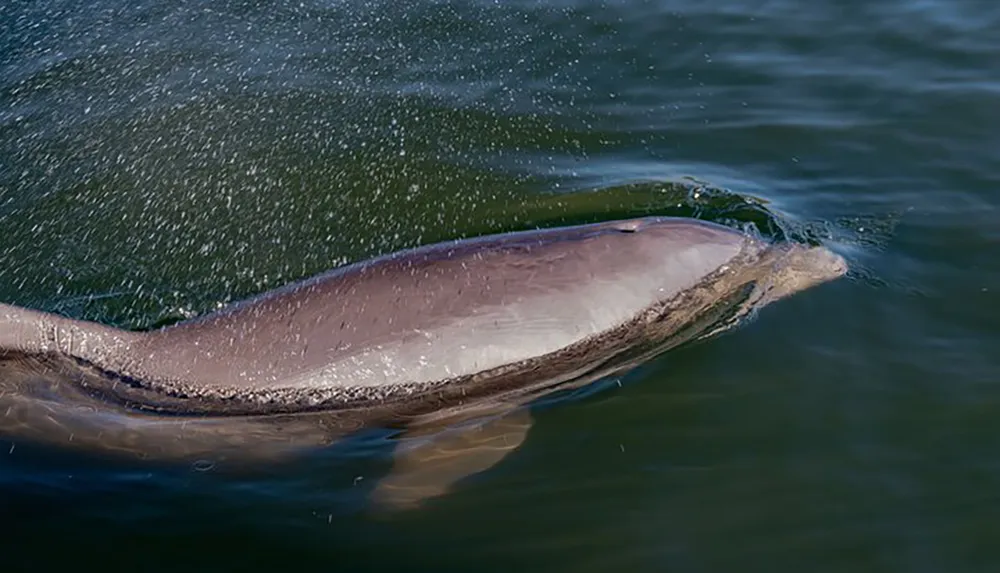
{"type": "Point", "coordinates": [628, 226]}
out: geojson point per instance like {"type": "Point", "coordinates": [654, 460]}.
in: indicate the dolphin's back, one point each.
{"type": "Point", "coordinates": [438, 312]}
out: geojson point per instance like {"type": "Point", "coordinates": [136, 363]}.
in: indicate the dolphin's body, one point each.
{"type": "Point", "coordinates": [437, 332]}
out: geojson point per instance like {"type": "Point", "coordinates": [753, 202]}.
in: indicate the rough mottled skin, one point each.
{"type": "Point", "coordinates": [440, 328]}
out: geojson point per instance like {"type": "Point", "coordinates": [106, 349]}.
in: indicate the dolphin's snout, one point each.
{"type": "Point", "coordinates": [833, 265]}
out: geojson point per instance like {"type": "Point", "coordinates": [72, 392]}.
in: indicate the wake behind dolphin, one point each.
{"type": "Point", "coordinates": [441, 333]}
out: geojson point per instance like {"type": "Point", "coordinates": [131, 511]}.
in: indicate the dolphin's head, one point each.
{"type": "Point", "coordinates": [694, 249]}
{"type": "Point", "coordinates": [700, 270]}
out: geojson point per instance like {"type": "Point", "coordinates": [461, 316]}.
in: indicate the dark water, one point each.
{"type": "Point", "coordinates": [158, 159]}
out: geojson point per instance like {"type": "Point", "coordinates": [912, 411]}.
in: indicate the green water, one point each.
{"type": "Point", "coordinates": [159, 159]}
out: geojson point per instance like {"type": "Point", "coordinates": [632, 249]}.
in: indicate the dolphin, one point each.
{"type": "Point", "coordinates": [459, 334]}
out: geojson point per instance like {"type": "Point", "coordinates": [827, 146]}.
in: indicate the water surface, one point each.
{"type": "Point", "coordinates": [160, 159]}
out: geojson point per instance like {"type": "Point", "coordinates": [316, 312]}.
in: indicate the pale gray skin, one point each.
{"type": "Point", "coordinates": [421, 339]}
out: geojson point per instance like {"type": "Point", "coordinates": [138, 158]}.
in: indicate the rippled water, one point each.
{"type": "Point", "coordinates": [159, 159]}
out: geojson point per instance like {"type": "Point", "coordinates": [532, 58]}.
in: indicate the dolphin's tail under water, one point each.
{"type": "Point", "coordinates": [44, 399]}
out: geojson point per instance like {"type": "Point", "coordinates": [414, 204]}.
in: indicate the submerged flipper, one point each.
{"type": "Point", "coordinates": [430, 461]}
